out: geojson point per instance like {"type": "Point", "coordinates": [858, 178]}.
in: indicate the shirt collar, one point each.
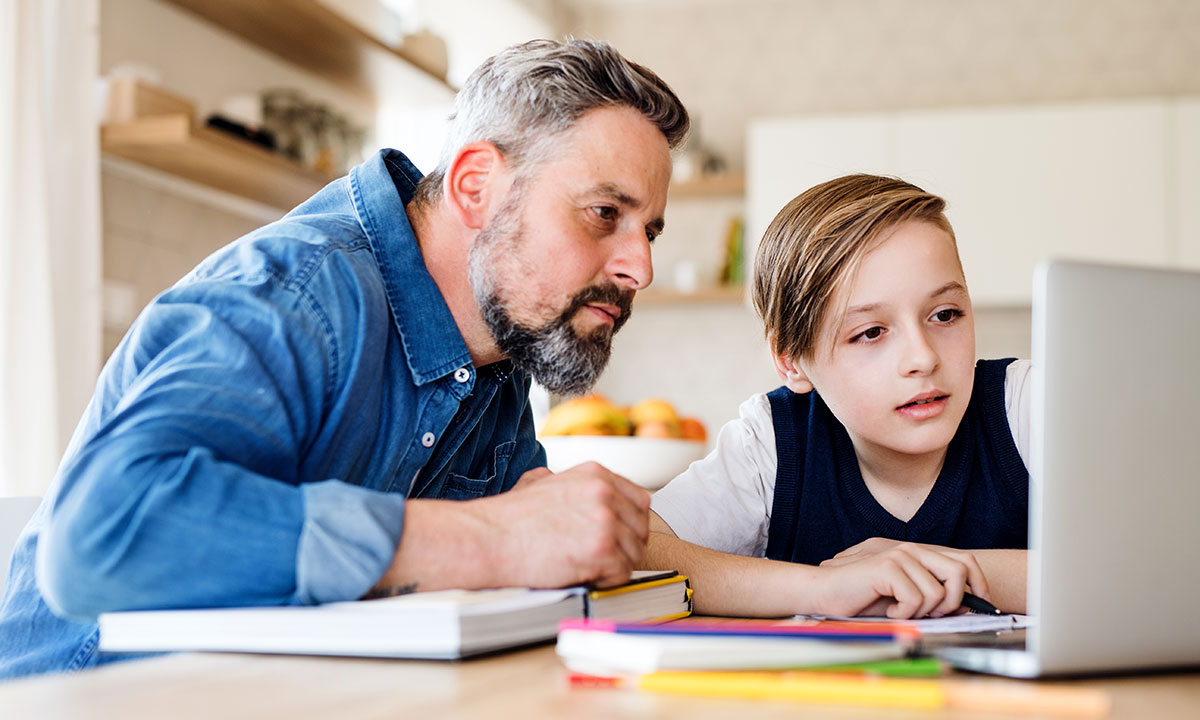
{"type": "Point", "coordinates": [379, 189]}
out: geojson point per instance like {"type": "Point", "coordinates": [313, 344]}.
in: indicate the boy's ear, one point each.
{"type": "Point", "coordinates": [792, 374]}
{"type": "Point", "coordinates": [473, 181]}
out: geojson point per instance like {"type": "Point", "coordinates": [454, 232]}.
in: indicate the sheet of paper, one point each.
{"type": "Point", "coordinates": [970, 622]}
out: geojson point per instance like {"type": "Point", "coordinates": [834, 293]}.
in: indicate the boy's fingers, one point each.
{"type": "Point", "coordinates": [973, 573]}
{"type": "Point", "coordinates": [976, 578]}
{"type": "Point", "coordinates": [899, 585]}
{"type": "Point", "coordinates": [933, 592]}
{"type": "Point", "coordinates": [839, 560]}
{"type": "Point", "coordinates": [953, 579]}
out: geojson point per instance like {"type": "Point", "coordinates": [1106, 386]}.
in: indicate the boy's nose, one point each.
{"type": "Point", "coordinates": [920, 358]}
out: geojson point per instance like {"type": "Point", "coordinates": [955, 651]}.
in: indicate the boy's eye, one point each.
{"type": "Point", "coordinates": [947, 315]}
{"type": "Point", "coordinates": [868, 335]}
{"type": "Point", "coordinates": [651, 235]}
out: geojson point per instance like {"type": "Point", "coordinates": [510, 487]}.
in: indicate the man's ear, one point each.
{"type": "Point", "coordinates": [471, 183]}
{"type": "Point", "coordinates": [792, 374]}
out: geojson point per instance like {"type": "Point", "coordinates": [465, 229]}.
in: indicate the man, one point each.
{"type": "Point", "coordinates": [288, 423]}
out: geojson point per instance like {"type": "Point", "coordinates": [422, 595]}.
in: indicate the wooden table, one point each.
{"type": "Point", "coordinates": [523, 684]}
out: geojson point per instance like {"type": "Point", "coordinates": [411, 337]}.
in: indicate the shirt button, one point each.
{"type": "Point", "coordinates": [427, 439]}
{"type": "Point", "coordinates": [462, 375]}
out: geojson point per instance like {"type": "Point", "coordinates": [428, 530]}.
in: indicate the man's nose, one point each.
{"type": "Point", "coordinates": [630, 265]}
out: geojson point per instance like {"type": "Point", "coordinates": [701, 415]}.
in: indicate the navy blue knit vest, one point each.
{"type": "Point", "coordinates": [822, 505]}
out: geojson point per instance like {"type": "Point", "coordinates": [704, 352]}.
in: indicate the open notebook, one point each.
{"type": "Point", "coordinates": [448, 624]}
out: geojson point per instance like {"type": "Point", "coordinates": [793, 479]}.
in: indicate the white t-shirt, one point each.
{"type": "Point", "coordinates": [724, 501]}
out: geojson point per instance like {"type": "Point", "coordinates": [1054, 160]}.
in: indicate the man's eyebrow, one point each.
{"type": "Point", "coordinates": [614, 193]}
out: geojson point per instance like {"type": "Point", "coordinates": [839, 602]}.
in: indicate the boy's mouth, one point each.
{"type": "Point", "coordinates": [914, 403]}
{"type": "Point", "coordinates": [933, 397]}
{"type": "Point", "coordinates": [924, 407]}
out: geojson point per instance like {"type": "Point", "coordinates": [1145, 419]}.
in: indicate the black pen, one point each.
{"type": "Point", "coordinates": [977, 604]}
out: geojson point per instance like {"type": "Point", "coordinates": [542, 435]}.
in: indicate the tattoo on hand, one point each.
{"type": "Point", "coordinates": [393, 591]}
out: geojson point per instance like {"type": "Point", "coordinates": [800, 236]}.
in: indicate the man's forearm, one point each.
{"type": "Point", "coordinates": [1007, 574]}
{"type": "Point", "coordinates": [443, 546]}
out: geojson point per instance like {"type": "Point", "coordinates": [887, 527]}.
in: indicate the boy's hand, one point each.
{"type": "Point", "coordinates": [876, 545]}
{"type": "Point", "coordinates": [900, 580]}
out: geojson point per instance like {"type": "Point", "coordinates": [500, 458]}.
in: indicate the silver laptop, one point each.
{"type": "Point", "coordinates": [1114, 504]}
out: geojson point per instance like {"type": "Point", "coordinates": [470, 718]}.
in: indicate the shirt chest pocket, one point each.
{"type": "Point", "coordinates": [460, 487]}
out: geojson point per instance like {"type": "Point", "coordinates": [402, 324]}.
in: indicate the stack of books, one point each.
{"type": "Point", "coordinates": [448, 624]}
{"type": "Point", "coordinates": [598, 647]}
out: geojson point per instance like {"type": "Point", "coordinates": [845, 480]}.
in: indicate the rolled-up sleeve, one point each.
{"type": "Point", "coordinates": [186, 490]}
{"type": "Point", "coordinates": [349, 537]}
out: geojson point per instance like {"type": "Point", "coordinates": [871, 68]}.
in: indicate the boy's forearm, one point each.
{"type": "Point", "coordinates": [1007, 573]}
{"type": "Point", "coordinates": [734, 585]}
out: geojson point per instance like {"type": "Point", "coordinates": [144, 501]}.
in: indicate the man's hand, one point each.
{"type": "Point", "coordinates": [900, 580]}
{"type": "Point", "coordinates": [529, 477]}
{"type": "Point", "coordinates": [583, 525]}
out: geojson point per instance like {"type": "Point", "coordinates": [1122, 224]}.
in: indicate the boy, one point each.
{"type": "Point", "coordinates": [887, 448]}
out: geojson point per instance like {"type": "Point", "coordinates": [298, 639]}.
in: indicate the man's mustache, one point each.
{"type": "Point", "coordinates": [607, 294]}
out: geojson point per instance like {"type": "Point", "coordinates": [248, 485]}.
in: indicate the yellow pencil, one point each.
{"type": "Point", "coordinates": [832, 690]}
{"type": "Point", "coordinates": [978, 695]}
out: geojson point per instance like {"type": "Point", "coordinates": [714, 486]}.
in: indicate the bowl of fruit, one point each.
{"type": "Point", "coordinates": [648, 442]}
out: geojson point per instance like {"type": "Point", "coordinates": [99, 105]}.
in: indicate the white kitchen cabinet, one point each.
{"type": "Point", "coordinates": [785, 156]}
{"type": "Point", "coordinates": [1095, 180]}
{"type": "Point", "coordinates": [1186, 129]}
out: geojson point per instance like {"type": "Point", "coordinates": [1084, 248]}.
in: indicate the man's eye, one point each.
{"type": "Point", "coordinates": [605, 213]}
{"type": "Point", "coordinates": [651, 236]}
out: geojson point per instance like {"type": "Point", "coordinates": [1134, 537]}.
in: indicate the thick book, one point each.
{"type": "Point", "coordinates": [608, 648]}
{"type": "Point", "coordinates": [448, 624]}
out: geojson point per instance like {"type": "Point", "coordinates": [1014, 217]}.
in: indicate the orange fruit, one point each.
{"type": "Point", "coordinates": [653, 409]}
{"type": "Point", "coordinates": [657, 429]}
{"type": "Point", "coordinates": [693, 429]}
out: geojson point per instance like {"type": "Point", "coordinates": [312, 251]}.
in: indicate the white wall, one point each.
{"type": "Point", "coordinates": [1091, 180]}
{"type": "Point", "coordinates": [732, 61]}
{"type": "Point", "coordinates": [735, 60]}
{"type": "Point", "coordinates": [1186, 172]}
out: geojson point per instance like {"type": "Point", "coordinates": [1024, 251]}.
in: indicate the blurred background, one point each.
{"type": "Point", "coordinates": [140, 135]}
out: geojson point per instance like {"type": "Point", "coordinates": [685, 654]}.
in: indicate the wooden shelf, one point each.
{"type": "Point", "coordinates": [172, 144]}
{"type": "Point", "coordinates": [712, 186]}
{"type": "Point", "coordinates": [310, 35]}
{"type": "Point", "coordinates": [717, 294]}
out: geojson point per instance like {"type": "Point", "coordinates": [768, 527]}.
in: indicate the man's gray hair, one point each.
{"type": "Point", "coordinates": [523, 97]}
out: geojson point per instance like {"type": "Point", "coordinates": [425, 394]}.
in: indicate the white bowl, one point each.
{"type": "Point", "coordinates": [649, 462]}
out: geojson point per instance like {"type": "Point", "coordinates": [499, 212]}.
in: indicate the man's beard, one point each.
{"type": "Point", "coordinates": [557, 357]}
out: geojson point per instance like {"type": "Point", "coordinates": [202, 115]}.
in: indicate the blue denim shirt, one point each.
{"type": "Point", "coordinates": [253, 438]}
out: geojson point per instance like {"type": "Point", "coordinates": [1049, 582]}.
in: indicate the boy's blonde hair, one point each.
{"type": "Point", "coordinates": [816, 243]}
